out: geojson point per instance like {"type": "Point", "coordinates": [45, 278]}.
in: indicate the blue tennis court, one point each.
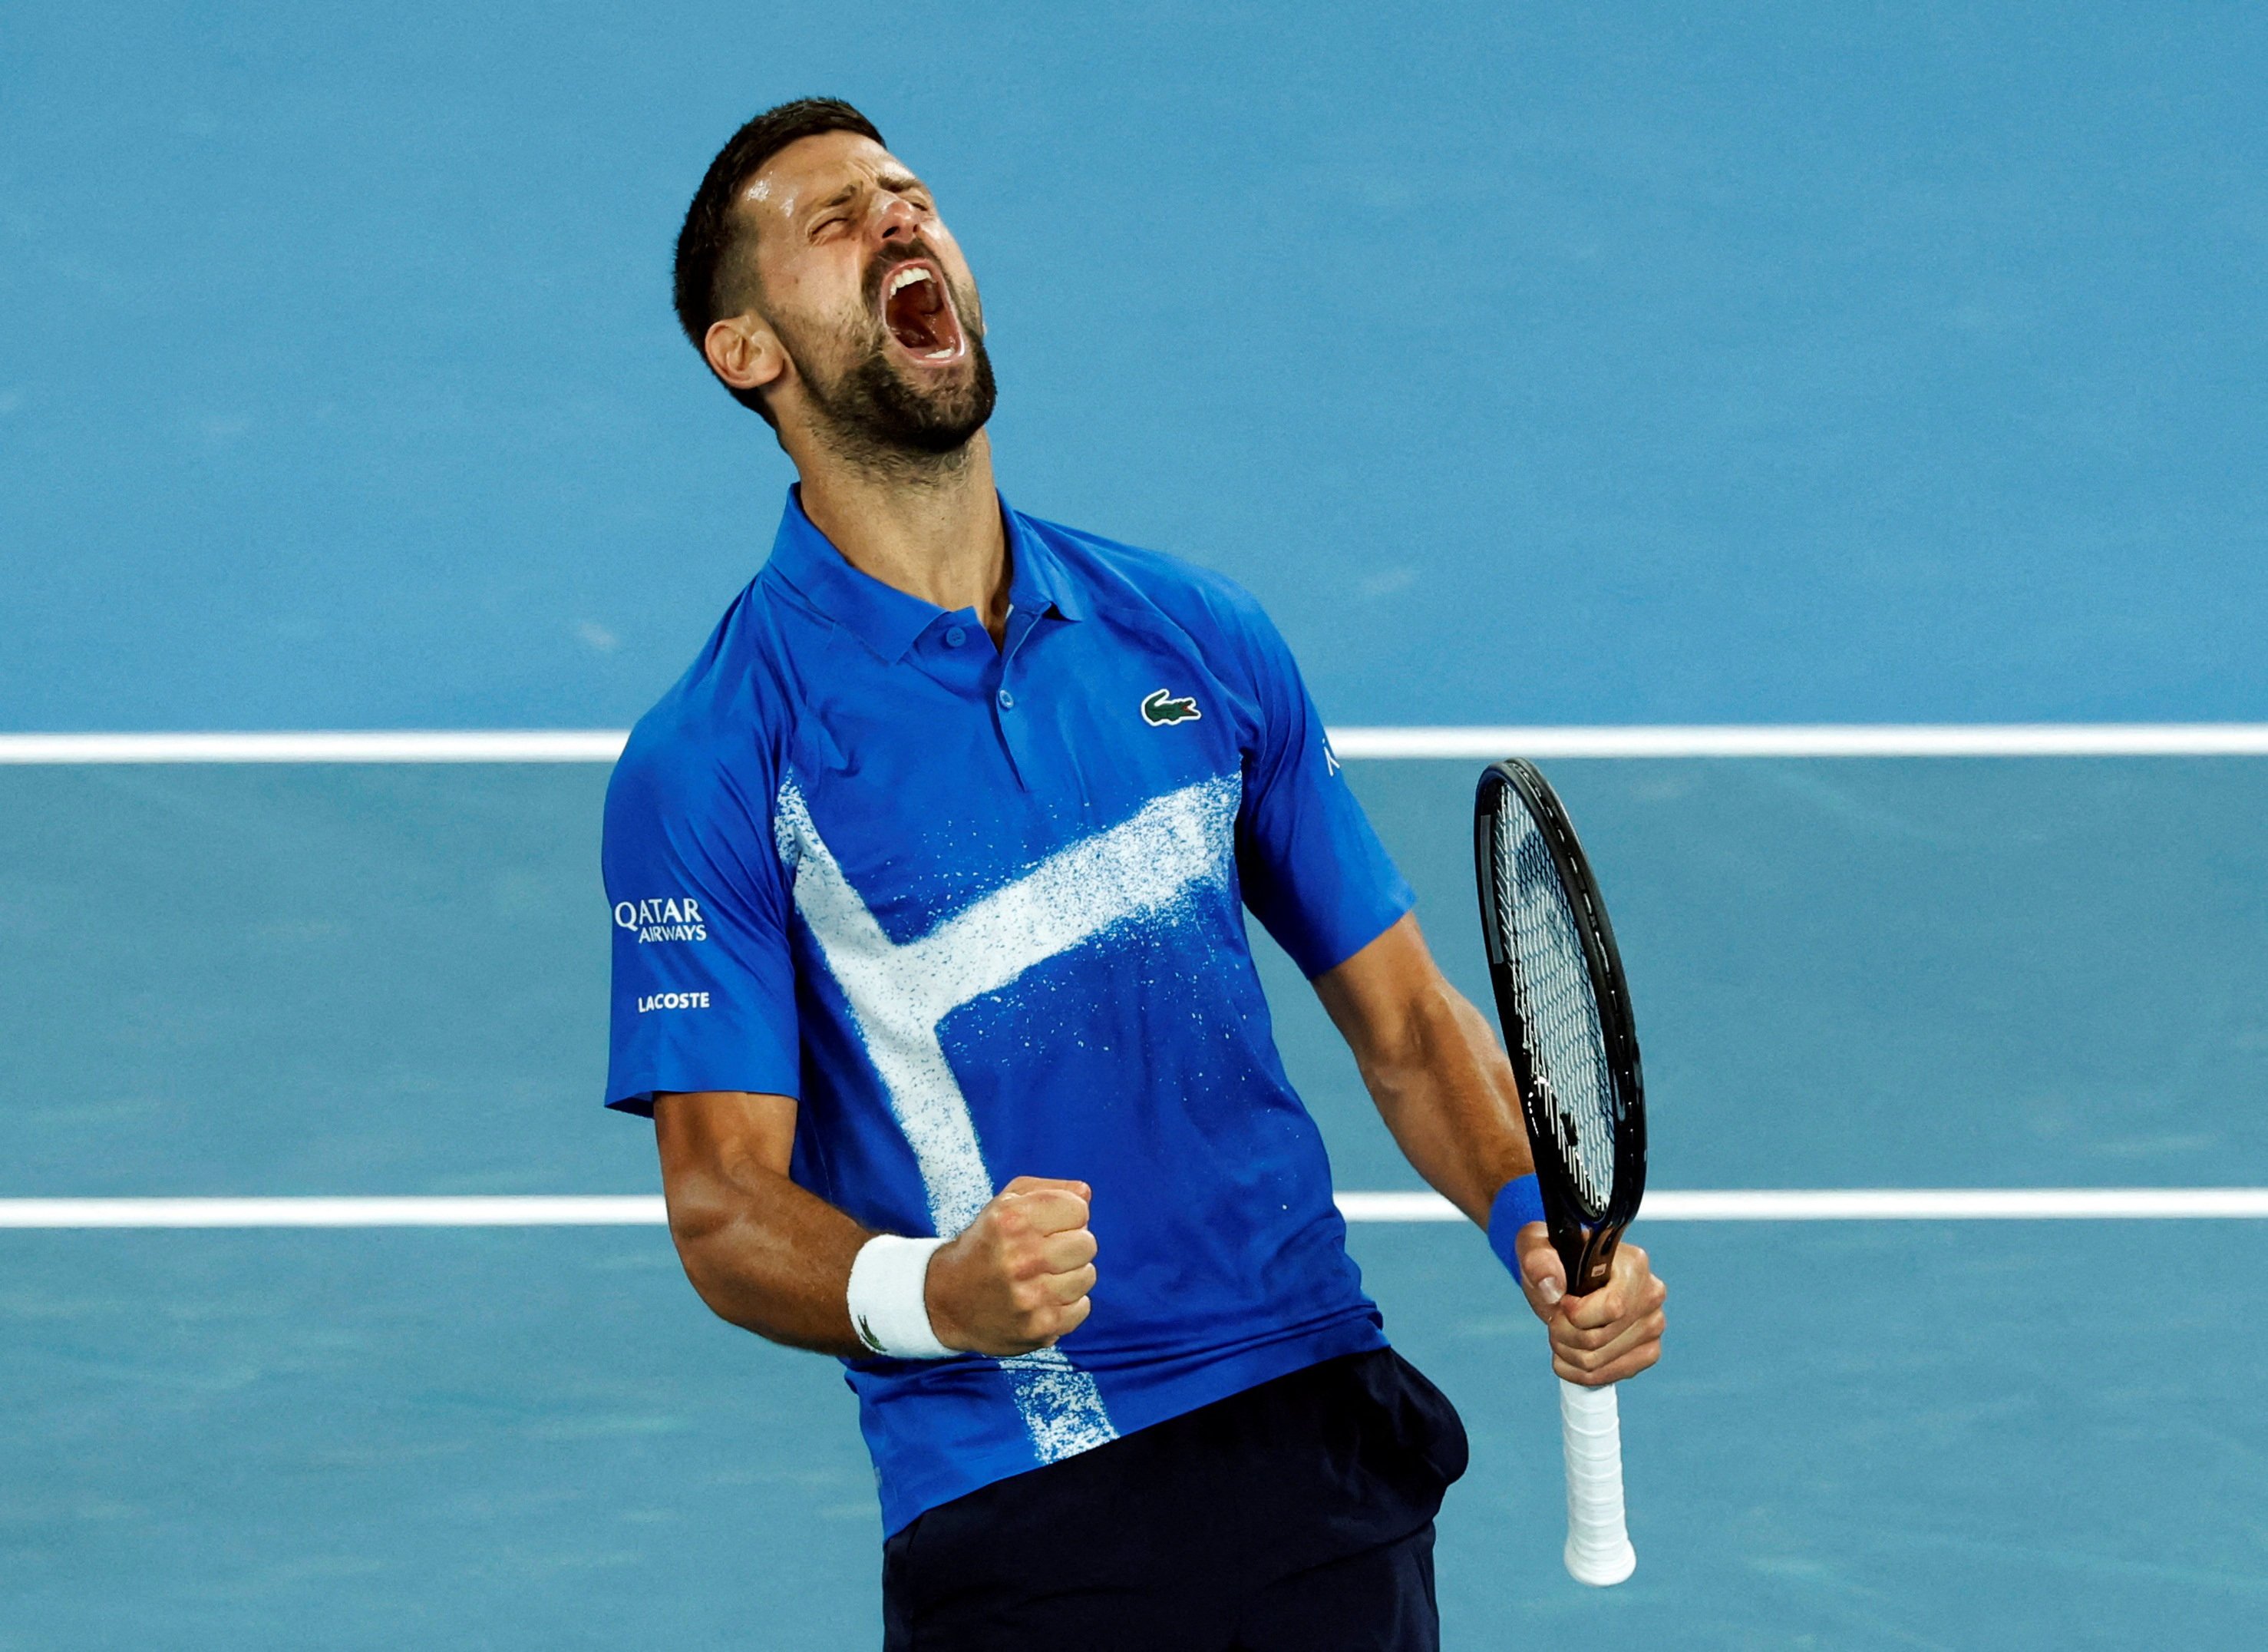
{"type": "Point", "coordinates": [1832, 366]}
{"type": "Point", "coordinates": [379, 980]}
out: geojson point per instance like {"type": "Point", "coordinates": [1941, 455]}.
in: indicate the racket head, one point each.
{"type": "Point", "coordinates": [1563, 1003]}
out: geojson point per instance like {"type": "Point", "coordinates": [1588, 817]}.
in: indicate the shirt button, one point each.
{"type": "Point", "coordinates": [954, 637]}
{"type": "Point", "coordinates": [1007, 701]}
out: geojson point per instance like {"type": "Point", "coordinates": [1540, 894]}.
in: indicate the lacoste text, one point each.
{"type": "Point", "coordinates": [672, 1000]}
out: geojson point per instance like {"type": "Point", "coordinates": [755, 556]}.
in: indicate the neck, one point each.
{"type": "Point", "coordinates": [933, 530]}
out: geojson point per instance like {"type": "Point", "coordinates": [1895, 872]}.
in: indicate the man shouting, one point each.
{"type": "Point", "coordinates": [929, 881]}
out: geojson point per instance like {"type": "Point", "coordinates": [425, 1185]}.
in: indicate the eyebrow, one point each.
{"type": "Point", "coordinates": [896, 183]}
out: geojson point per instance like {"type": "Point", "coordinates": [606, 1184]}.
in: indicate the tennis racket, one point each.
{"type": "Point", "coordinates": [1566, 1009]}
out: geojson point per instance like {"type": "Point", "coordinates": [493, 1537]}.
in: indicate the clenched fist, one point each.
{"type": "Point", "coordinates": [1017, 1278]}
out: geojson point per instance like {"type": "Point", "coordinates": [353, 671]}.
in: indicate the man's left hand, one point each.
{"type": "Point", "coordinates": [1614, 1332]}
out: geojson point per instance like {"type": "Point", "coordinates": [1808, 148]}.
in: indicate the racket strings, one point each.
{"type": "Point", "coordinates": [1558, 1009]}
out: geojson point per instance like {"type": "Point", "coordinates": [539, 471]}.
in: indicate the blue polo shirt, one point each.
{"type": "Point", "coordinates": [981, 911]}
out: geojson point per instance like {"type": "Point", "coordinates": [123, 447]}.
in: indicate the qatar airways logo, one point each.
{"type": "Point", "coordinates": [662, 919]}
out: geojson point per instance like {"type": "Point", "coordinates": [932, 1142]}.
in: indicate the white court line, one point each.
{"type": "Point", "coordinates": [1761, 740]}
{"type": "Point", "coordinates": [1868, 1204]}
{"type": "Point", "coordinates": [1877, 1204]}
{"type": "Point", "coordinates": [402, 745]}
{"type": "Point", "coordinates": [1816, 740]}
{"type": "Point", "coordinates": [605, 1210]}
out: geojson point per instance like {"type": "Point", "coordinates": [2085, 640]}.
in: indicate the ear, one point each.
{"type": "Point", "coordinates": [744, 352]}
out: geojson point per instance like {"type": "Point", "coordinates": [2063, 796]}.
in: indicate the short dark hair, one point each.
{"type": "Point", "coordinates": [705, 243]}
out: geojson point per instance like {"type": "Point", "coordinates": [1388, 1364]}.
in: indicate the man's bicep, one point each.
{"type": "Point", "coordinates": [699, 1130]}
{"type": "Point", "coordinates": [1313, 871]}
{"type": "Point", "coordinates": [1374, 996]}
{"type": "Point", "coordinates": [705, 989]}
{"type": "Point", "coordinates": [714, 1144]}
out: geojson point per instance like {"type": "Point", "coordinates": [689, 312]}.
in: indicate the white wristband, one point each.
{"type": "Point", "coordinates": [889, 1299]}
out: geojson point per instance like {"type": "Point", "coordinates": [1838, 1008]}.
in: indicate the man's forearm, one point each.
{"type": "Point", "coordinates": [777, 1259]}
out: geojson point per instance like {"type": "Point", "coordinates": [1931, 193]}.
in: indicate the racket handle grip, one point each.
{"type": "Point", "coordinates": [1598, 1550]}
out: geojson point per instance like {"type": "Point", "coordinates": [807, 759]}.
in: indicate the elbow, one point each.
{"type": "Point", "coordinates": [731, 1263]}
{"type": "Point", "coordinates": [708, 1280]}
{"type": "Point", "coordinates": [700, 1227]}
{"type": "Point", "coordinates": [1402, 1049]}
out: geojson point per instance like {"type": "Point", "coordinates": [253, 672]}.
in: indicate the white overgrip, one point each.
{"type": "Point", "coordinates": [1598, 1550]}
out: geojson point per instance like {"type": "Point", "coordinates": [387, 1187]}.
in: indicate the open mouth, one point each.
{"type": "Point", "coordinates": [919, 313]}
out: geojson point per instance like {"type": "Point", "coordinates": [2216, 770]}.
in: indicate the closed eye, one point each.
{"type": "Point", "coordinates": [834, 213]}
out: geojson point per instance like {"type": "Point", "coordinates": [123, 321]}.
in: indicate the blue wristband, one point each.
{"type": "Point", "coordinates": [1518, 1203]}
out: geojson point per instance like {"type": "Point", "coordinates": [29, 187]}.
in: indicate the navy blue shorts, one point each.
{"type": "Point", "coordinates": [1296, 1516]}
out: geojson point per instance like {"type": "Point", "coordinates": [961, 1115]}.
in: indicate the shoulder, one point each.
{"type": "Point", "coordinates": [1201, 601]}
{"type": "Point", "coordinates": [716, 739]}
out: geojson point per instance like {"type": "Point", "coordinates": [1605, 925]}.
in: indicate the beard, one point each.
{"type": "Point", "coordinates": [874, 414]}
{"type": "Point", "coordinates": [873, 408]}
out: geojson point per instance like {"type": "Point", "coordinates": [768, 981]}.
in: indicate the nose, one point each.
{"type": "Point", "coordinates": [898, 221]}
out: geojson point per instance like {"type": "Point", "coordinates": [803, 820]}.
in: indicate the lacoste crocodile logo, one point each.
{"type": "Point", "coordinates": [1162, 708]}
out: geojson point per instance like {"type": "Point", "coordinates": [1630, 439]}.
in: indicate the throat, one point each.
{"type": "Point", "coordinates": [947, 545]}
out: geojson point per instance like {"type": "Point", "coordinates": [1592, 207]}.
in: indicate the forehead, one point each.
{"type": "Point", "coordinates": [814, 170]}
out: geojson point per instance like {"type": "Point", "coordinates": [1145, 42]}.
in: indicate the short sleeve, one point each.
{"type": "Point", "coordinates": [1313, 871]}
{"type": "Point", "coordinates": [703, 980]}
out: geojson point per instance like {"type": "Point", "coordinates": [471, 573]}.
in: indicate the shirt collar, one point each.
{"type": "Point", "coordinates": [887, 619]}
{"type": "Point", "coordinates": [1038, 583]}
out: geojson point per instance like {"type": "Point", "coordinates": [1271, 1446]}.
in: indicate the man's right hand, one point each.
{"type": "Point", "coordinates": [1017, 1278]}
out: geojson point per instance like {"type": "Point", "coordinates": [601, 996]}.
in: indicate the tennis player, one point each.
{"type": "Point", "coordinates": [928, 884]}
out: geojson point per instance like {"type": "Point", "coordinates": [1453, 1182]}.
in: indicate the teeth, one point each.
{"type": "Point", "coordinates": [905, 278]}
